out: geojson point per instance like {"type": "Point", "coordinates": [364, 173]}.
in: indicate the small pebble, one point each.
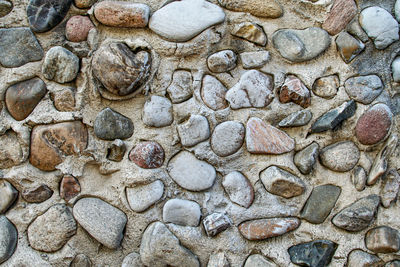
{"type": "Point", "coordinates": [8, 195]}
{"type": "Point", "coordinates": [326, 87]}
{"type": "Point", "coordinates": [182, 212]}
{"type": "Point", "coordinates": [111, 125]}
{"type": "Point", "coordinates": [254, 60]}
{"type": "Point", "coordinates": [382, 239]}
{"type": "Point", "coordinates": [306, 158]}
{"type": "Point", "coordinates": [314, 254]}
{"type": "Point", "coordinates": [227, 138]}
{"type": "Point", "coordinates": [262, 229]}
{"type": "Point", "coordinates": [194, 131]}
{"type": "Point", "coordinates": [69, 187]}
{"type": "Point", "coordinates": [116, 150]}
{"type": "Point", "coordinates": [37, 194]}
{"type": "Point", "coordinates": [181, 87]}
{"type": "Point", "coordinates": [213, 93]}
{"type": "Point", "coordinates": [359, 178]}
{"type": "Point", "coordinates": [250, 32]}
{"type": "Point", "coordinates": [60, 65]}
{"type": "Point", "coordinates": [341, 157]}
{"type": "Point", "coordinates": [296, 119]}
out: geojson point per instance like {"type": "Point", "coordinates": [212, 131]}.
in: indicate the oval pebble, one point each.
{"type": "Point", "coordinates": [227, 138]}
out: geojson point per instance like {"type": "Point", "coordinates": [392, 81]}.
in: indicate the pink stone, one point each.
{"type": "Point", "coordinates": [77, 28]}
{"type": "Point", "coordinates": [147, 155]}
{"type": "Point", "coordinates": [294, 90]}
{"type": "Point", "coordinates": [69, 187]}
{"type": "Point", "coordinates": [266, 228]}
{"type": "Point", "coordinates": [342, 12]}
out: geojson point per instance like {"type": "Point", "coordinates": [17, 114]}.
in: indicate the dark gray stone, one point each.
{"type": "Point", "coordinates": [299, 118]}
{"type": "Point", "coordinates": [43, 15]}
{"type": "Point", "coordinates": [317, 253]}
{"type": "Point", "coordinates": [110, 125]}
{"type": "Point", "coordinates": [8, 195]}
{"type": "Point", "coordinates": [306, 158]}
{"type": "Point", "coordinates": [8, 239]}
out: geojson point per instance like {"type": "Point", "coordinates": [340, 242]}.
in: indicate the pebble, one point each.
{"type": "Point", "coordinates": [258, 8]}
{"type": "Point", "coordinates": [101, 220]}
{"type": "Point", "coordinates": [37, 194]}
{"type": "Point", "coordinates": [156, 238]}
{"type": "Point", "coordinates": [122, 14]}
{"type": "Point", "coordinates": [396, 69]}
{"type": "Point", "coordinates": [180, 21]}
{"type": "Point", "coordinates": [44, 15]}
{"type": "Point", "coordinates": [81, 260]}
{"type": "Point", "coordinates": [5, 8]}
{"type": "Point", "coordinates": [190, 173]}
{"type": "Point", "coordinates": [10, 150]}
{"type": "Point", "coordinates": [8, 239]}
{"type": "Point", "coordinates": [147, 155]}
{"type": "Point", "coordinates": [116, 150]}
{"type": "Point", "coordinates": [306, 158]}
{"type": "Point", "coordinates": [216, 223]}
{"type": "Point", "coordinates": [348, 46]}
{"type": "Point", "coordinates": [295, 119]}
{"type": "Point", "coordinates": [111, 125]}
{"type": "Point", "coordinates": [359, 178]}
{"type": "Point", "coordinates": [218, 260]}
{"type": "Point", "coordinates": [8, 195]}
{"type": "Point", "coordinates": [84, 3]}
{"type": "Point", "coordinates": [355, 29]}
{"type": "Point", "coordinates": [374, 125]}
{"type": "Point", "coordinates": [360, 258]}
{"type": "Point", "coordinates": [194, 131]}
{"type": "Point", "coordinates": [282, 183]}
{"type": "Point", "coordinates": [13, 53]}
{"type": "Point", "coordinates": [227, 138]}
{"type": "Point", "coordinates": [341, 13]}
{"type": "Point", "coordinates": [397, 10]}
{"type": "Point", "coordinates": [380, 26]}
{"type": "Point", "coordinates": [132, 260]}
{"type": "Point", "coordinates": [364, 89]}
{"type": "Point", "coordinates": [50, 231]}
{"type": "Point", "coordinates": [254, 89]}
{"type": "Point", "coordinates": [258, 260]}
{"type": "Point", "coordinates": [142, 197]}
{"type": "Point", "coordinates": [390, 189]}
{"type": "Point", "coordinates": [64, 100]}
{"type": "Point", "coordinates": [301, 45]}
{"type": "Point", "coordinates": [263, 138]}
{"type": "Point", "coordinates": [22, 97]}
{"type": "Point", "coordinates": [181, 87]}
{"type": "Point", "coordinates": [382, 239]}
{"type": "Point", "coordinates": [222, 61]}
{"type": "Point", "coordinates": [157, 112]}
{"type": "Point", "coordinates": [253, 60]}
{"type": "Point", "coordinates": [341, 157]}
{"type": "Point", "coordinates": [77, 28]}
{"type": "Point", "coordinates": [69, 187]}
{"type": "Point", "coordinates": [60, 65]}
{"type": "Point", "coordinates": [320, 203]}
{"type": "Point", "coordinates": [317, 253]}
{"type": "Point", "coordinates": [213, 93]}
{"type": "Point", "coordinates": [294, 90]}
{"type": "Point", "coordinates": [182, 212]}
{"type": "Point", "coordinates": [238, 188]}
{"type": "Point", "coordinates": [251, 32]}
{"type": "Point", "coordinates": [358, 215]}
{"type": "Point", "coordinates": [262, 229]}
{"type": "Point", "coordinates": [326, 87]}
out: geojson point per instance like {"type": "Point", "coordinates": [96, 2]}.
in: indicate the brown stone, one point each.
{"type": "Point", "coordinates": [251, 32]}
{"type": "Point", "coordinates": [342, 12]}
{"type": "Point", "coordinates": [77, 28]}
{"type": "Point", "coordinates": [64, 100]}
{"type": "Point", "coordinates": [259, 8]}
{"type": "Point", "coordinates": [294, 90]}
{"type": "Point", "coordinates": [11, 153]}
{"type": "Point", "coordinates": [266, 228]}
{"type": "Point", "coordinates": [382, 239]}
{"type": "Point", "coordinates": [147, 155]}
{"type": "Point", "coordinates": [69, 187]}
{"type": "Point", "coordinates": [37, 194]}
{"type": "Point", "coordinates": [122, 14]}
{"type": "Point", "coordinates": [84, 3]}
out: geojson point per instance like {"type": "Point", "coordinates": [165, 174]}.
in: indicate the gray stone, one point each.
{"type": "Point", "coordinates": [253, 60]}
{"type": "Point", "coordinates": [364, 89]}
{"type": "Point", "coordinates": [194, 131]}
{"type": "Point", "coordinates": [157, 112]}
{"type": "Point", "coordinates": [215, 223]}
{"type": "Point", "coordinates": [222, 61]}
{"type": "Point", "coordinates": [238, 188]}
{"type": "Point", "coordinates": [318, 253]}
{"type": "Point", "coordinates": [395, 263]}
{"type": "Point", "coordinates": [8, 195]}
{"type": "Point", "coordinates": [182, 212]}
{"type": "Point", "coordinates": [354, 28]}
{"type": "Point", "coordinates": [8, 239]}
{"type": "Point", "coordinates": [101, 220]}
{"type": "Point", "coordinates": [250, 32]}
{"type": "Point", "coordinates": [5, 7]}
{"type": "Point", "coordinates": [10, 150]}
{"type": "Point", "coordinates": [81, 260]}
{"type": "Point", "coordinates": [37, 194]}
{"type": "Point", "coordinates": [360, 258]}
{"type": "Point", "coordinates": [132, 260]}
{"type": "Point", "coordinates": [227, 138]}
{"type": "Point", "coordinates": [295, 119]}
{"type": "Point", "coordinates": [359, 178]}
{"type": "Point", "coordinates": [382, 239]}
{"type": "Point", "coordinates": [306, 158]}
{"type": "Point", "coordinates": [218, 260]}
{"type": "Point", "coordinates": [116, 150]}
{"type": "Point", "coordinates": [43, 15]}
{"type": "Point", "coordinates": [258, 260]}
{"type": "Point", "coordinates": [390, 189]}
{"type": "Point", "coordinates": [181, 87]}
{"type": "Point", "coordinates": [111, 125]}
{"type": "Point", "coordinates": [259, 8]}
{"type": "Point", "coordinates": [60, 65]}
{"type": "Point", "coordinates": [141, 197]}
{"type": "Point", "coordinates": [340, 157]}
{"type": "Point", "coordinates": [282, 183]}
{"type": "Point", "coordinates": [396, 69]}
{"type": "Point", "coordinates": [348, 46]}
{"type": "Point", "coordinates": [326, 87]}
{"type": "Point", "coordinates": [213, 93]}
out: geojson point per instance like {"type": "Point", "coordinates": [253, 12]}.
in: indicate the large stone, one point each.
{"type": "Point", "coordinates": [8, 239]}
{"type": "Point", "coordinates": [348, 46]}
{"type": "Point", "coordinates": [257, 260]}
{"type": "Point", "coordinates": [359, 258]}
{"type": "Point", "coordinates": [44, 15]}
{"type": "Point", "coordinates": [259, 8]}
{"type": "Point", "coordinates": [317, 253]}
{"type": "Point", "coordinates": [382, 239]}
{"type": "Point", "coordinates": [359, 178]}
{"type": "Point", "coordinates": [8, 195]}
{"type": "Point", "coordinates": [306, 158]}
{"type": "Point", "coordinates": [181, 87]}
{"type": "Point", "coordinates": [253, 60]}
{"type": "Point", "coordinates": [238, 188]}
{"type": "Point", "coordinates": [299, 118]}
{"type": "Point", "coordinates": [262, 229]}
{"type": "Point", "coordinates": [294, 90]}
{"type": "Point", "coordinates": [364, 89]}
{"type": "Point", "coordinates": [147, 155]}
{"type": "Point", "coordinates": [282, 183]}
{"type": "Point", "coordinates": [77, 28]}
{"type": "Point", "coordinates": [5, 8]}
{"type": "Point", "coordinates": [222, 61]}
{"type": "Point", "coordinates": [250, 32]}
{"type": "Point", "coordinates": [69, 187]}
{"type": "Point", "coordinates": [122, 14]}
{"type": "Point", "coordinates": [111, 125]}
{"type": "Point", "coordinates": [37, 194]}
{"type": "Point", "coordinates": [182, 212]}
{"type": "Point", "coordinates": [10, 150]}
{"type": "Point", "coordinates": [213, 93]}
{"type": "Point", "coordinates": [60, 65]}
{"type": "Point", "coordinates": [342, 12]}
{"type": "Point", "coordinates": [157, 112]}
{"type": "Point", "coordinates": [340, 157]}
{"type": "Point", "coordinates": [194, 131]}
{"type": "Point", "coordinates": [227, 138]}
{"type": "Point", "coordinates": [326, 86]}
{"type": "Point", "coordinates": [215, 223]}
{"type": "Point", "coordinates": [142, 197]}
{"type": "Point", "coordinates": [218, 260]}
{"type": "Point", "coordinates": [390, 189]}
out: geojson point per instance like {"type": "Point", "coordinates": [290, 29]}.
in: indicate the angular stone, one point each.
{"type": "Point", "coordinates": [258, 8]}
{"type": "Point", "coordinates": [359, 178]}
{"type": "Point", "coordinates": [81, 260]}
{"type": "Point", "coordinates": [359, 258]}
{"type": "Point", "coordinates": [390, 189]}
{"type": "Point", "coordinates": [180, 21]}
{"type": "Point", "coordinates": [5, 7]}
{"type": "Point", "coordinates": [348, 46]}
{"type": "Point", "coordinates": [147, 155]}
{"type": "Point", "coordinates": [60, 65]}
{"type": "Point", "coordinates": [77, 28]}
{"type": "Point", "coordinates": [250, 32]}
{"type": "Point", "coordinates": [122, 14]}
{"type": "Point", "coordinates": [257, 260]}
{"type": "Point", "coordinates": [37, 194]}
{"type": "Point", "coordinates": [238, 188]}
{"type": "Point", "coordinates": [326, 87]}
{"type": "Point", "coordinates": [342, 12]}
{"type": "Point", "coordinates": [8, 195]}
{"type": "Point", "coordinates": [354, 28]}
{"type": "Point", "coordinates": [396, 69]}
{"type": "Point", "coordinates": [194, 131]}
{"type": "Point", "coordinates": [157, 112]}
{"type": "Point", "coordinates": [116, 150]}
{"type": "Point", "coordinates": [306, 158]}
{"type": "Point", "coordinates": [222, 61]}
{"type": "Point", "coordinates": [64, 100]}
{"type": "Point", "coordinates": [262, 229]}
{"type": "Point", "coordinates": [382, 239]}
{"type": "Point", "coordinates": [181, 88]}
{"type": "Point", "coordinates": [182, 212]}
{"type": "Point", "coordinates": [294, 90]}
{"type": "Point", "coordinates": [282, 183]}
{"type": "Point", "coordinates": [358, 215]}
{"type": "Point", "coordinates": [141, 197]}
{"type": "Point", "coordinates": [213, 93]}
{"type": "Point", "coordinates": [340, 157]}
{"type": "Point", "coordinates": [10, 150]}
{"type": "Point", "coordinates": [218, 260]}
{"type": "Point", "coordinates": [101, 220]}
{"type": "Point", "coordinates": [69, 187]}
{"type": "Point", "coordinates": [227, 138]}
{"type": "Point", "coordinates": [215, 223]}
{"type": "Point", "coordinates": [111, 125]}
{"type": "Point", "coordinates": [364, 89]}
{"type": "Point", "coordinates": [317, 253]}
{"type": "Point", "coordinates": [50, 231]}
{"type": "Point", "coordinates": [253, 60]}
{"type": "Point", "coordinates": [8, 239]}
{"type": "Point", "coordinates": [299, 118]}
{"type": "Point", "coordinates": [262, 138]}
{"type": "Point", "coordinates": [132, 260]}
{"type": "Point", "coordinates": [44, 15]}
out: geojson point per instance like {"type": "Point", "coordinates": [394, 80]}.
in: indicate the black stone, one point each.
{"type": "Point", "coordinates": [110, 125]}
{"type": "Point", "coordinates": [317, 253]}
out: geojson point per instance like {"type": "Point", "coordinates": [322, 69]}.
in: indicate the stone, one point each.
{"type": "Point", "coordinates": [122, 14]}
{"type": "Point", "coordinates": [360, 258]}
{"type": "Point", "coordinates": [262, 229]}
{"type": "Point", "coordinates": [181, 87]}
{"type": "Point", "coordinates": [380, 26]}
{"type": "Point", "coordinates": [37, 194]}
{"type": "Point", "coordinates": [180, 21]}
{"type": "Point", "coordinates": [239, 189]}
{"type": "Point", "coordinates": [160, 247]}
{"type": "Point", "coordinates": [294, 90]}
{"type": "Point", "coordinates": [334, 117]}
{"type": "Point", "coordinates": [254, 89]}
{"type": "Point", "coordinates": [340, 157]}
{"type": "Point", "coordinates": [8, 239]}
{"type": "Point", "coordinates": [77, 28]}
{"type": "Point", "coordinates": [142, 197]}
{"type": "Point", "coordinates": [382, 239]}
{"type": "Point", "coordinates": [22, 97]}
{"type": "Point", "coordinates": [101, 220]}
{"type": "Point", "coordinates": [326, 87]}
{"type": "Point", "coordinates": [374, 125]}
{"type": "Point", "coordinates": [5, 8]}
{"type": "Point", "coordinates": [218, 260]}
{"type": "Point", "coordinates": [282, 183]}
{"type": "Point", "coordinates": [69, 187]}
{"type": "Point", "coordinates": [355, 29]}
{"type": "Point", "coordinates": [10, 150]}
{"type": "Point", "coordinates": [60, 65]}
{"type": "Point", "coordinates": [251, 32]}
{"type": "Point", "coordinates": [348, 46]}
{"type": "Point", "coordinates": [301, 45]}
{"type": "Point", "coordinates": [147, 155]}
{"type": "Point", "coordinates": [215, 223]}
{"type": "Point", "coordinates": [258, 260]}
{"type": "Point", "coordinates": [81, 260]}
{"type": "Point", "coordinates": [64, 100]}
{"type": "Point", "coordinates": [359, 215]}
{"type": "Point", "coordinates": [295, 119]}
{"type": "Point", "coordinates": [396, 69]}
{"type": "Point", "coordinates": [390, 189]}
{"type": "Point", "coordinates": [213, 93]}
{"type": "Point", "coordinates": [364, 89]}
{"type": "Point", "coordinates": [50, 231]}
{"type": "Point", "coordinates": [359, 178]}
{"type": "Point", "coordinates": [8, 195]}
{"type": "Point", "coordinates": [222, 61]}
{"type": "Point", "coordinates": [320, 203]}
{"type": "Point", "coordinates": [116, 150]}
{"type": "Point", "coordinates": [84, 3]}
{"type": "Point", "coordinates": [121, 71]}
{"type": "Point", "coordinates": [44, 15]}
{"type": "Point", "coordinates": [182, 212]}
{"type": "Point", "coordinates": [342, 12]}
{"type": "Point", "coordinates": [190, 173]}
{"type": "Point", "coordinates": [395, 263]}
{"type": "Point", "coordinates": [13, 53]}
{"type": "Point", "coordinates": [258, 8]}
{"type": "Point", "coordinates": [263, 138]}
{"type": "Point", "coordinates": [132, 260]}
{"type": "Point", "coordinates": [227, 138]}
{"type": "Point", "coordinates": [194, 131]}
{"type": "Point", "coordinates": [317, 253]}
{"type": "Point", "coordinates": [157, 112]}
{"type": "Point", "coordinates": [253, 60]}
{"type": "Point", "coordinates": [111, 125]}
{"type": "Point", "coordinates": [306, 158]}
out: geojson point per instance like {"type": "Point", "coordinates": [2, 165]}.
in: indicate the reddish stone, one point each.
{"type": "Point", "coordinates": [294, 90]}
{"type": "Point", "coordinates": [382, 239]}
{"type": "Point", "coordinates": [69, 187]}
{"type": "Point", "coordinates": [77, 28]}
{"type": "Point", "coordinates": [266, 228]}
{"type": "Point", "coordinates": [37, 194]}
{"type": "Point", "coordinates": [147, 155]}
{"type": "Point", "coordinates": [342, 12]}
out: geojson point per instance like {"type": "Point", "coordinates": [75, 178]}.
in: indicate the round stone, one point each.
{"type": "Point", "coordinates": [222, 61]}
{"type": "Point", "coordinates": [77, 28]}
{"type": "Point", "coordinates": [227, 138]}
{"type": "Point", "coordinates": [147, 155]}
{"type": "Point", "coordinates": [182, 212]}
{"type": "Point", "coordinates": [340, 157]}
{"type": "Point", "coordinates": [60, 65]}
{"type": "Point", "coordinates": [37, 194]}
{"type": "Point", "coordinates": [157, 112]}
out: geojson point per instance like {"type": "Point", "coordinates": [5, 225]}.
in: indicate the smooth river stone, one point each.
{"type": "Point", "coordinates": [8, 239]}
{"type": "Point", "coordinates": [77, 28]}
{"type": "Point", "coordinates": [122, 14]}
{"type": "Point", "coordinates": [147, 155]}
{"type": "Point", "coordinates": [318, 253]}
{"type": "Point", "coordinates": [282, 183]}
{"type": "Point", "coordinates": [194, 131]}
{"type": "Point", "coordinates": [382, 239]}
{"type": "Point", "coordinates": [69, 187]}
{"type": "Point", "coordinates": [348, 46]}
{"type": "Point", "coordinates": [44, 15]}
{"type": "Point", "coordinates": [37, 194]}
{"type": "Point", "coordinates": [227, 138]}
{"type": "Point", "coordinates": [340, 157]}
{"type": "Point", "coordinates": [326, 86]}
{"type": "Point", "coordinates": [250, 32]}
{"type": "Point", "coordinates": [182, 212]}
{"type": "Point", "coordinates": [157, 112]}
{"type": "Point", "coordinates": [364, 89]}
{"type": "Point", "coordinates": [238, 188]}
{"type": "Point", "coordinates": [60, 65]}
{"type": "Point", "coordinates": [213, 93]}
{"type": "Point", "coordinates": [360, 258]}
{"type": "Point", "coordinates": [111, 125]}
{"type": "Point", "coordinates": [141, 197]}
{"type": "Point", "coordinates": [262, 229]}
{"type": "Point", "coordinates": [222, 61]}
{"type": "Point", "coordinates": [259, 8]}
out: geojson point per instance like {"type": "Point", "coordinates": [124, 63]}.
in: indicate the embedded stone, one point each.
{"type": "Point", "coordinates": [64, 100]}
{"type": "Point", "coordinates": [194, 131]}
{"type": "Point", "coordinates": [44, 15]}
{"type": "Point", "coordinates": [257, 260]}
{"type": "Point", "coordinates": [364, 89]}
{"type": "Point", "coordinates": [299, 118]}
{"type": "Point", "coordinates": [359, 178]}
{"type": "Point", "coordinates": [213, 93]}
{"type": "Point", "coordinates": [81, 260]}
{"type": "Point", "coordinates": [218, 260]}
{"type": "Point", "coordinates": [111, 125]}
{"type": "Point", "coordinates": [326, 87]}
{"type": "Point", "coordinates": [8, 195]}
{"type": "Point", "coordinates": [282, 183]}
{"type": "Point", "coordinates": [314, 254]}
{"type": "Point", "coordinates": [238, 188]}
{"type": "Point", "coordinates": [84, 3]}
{"type": "Point", "coordinates": [250, 32]}
{"type": "Point", "coordinates": [359, 258]}
{"type": "Point", "coordinates": [157, 112]}
{"type": "Point", "coordinates": [390, 189]}
{"type": "Point", "coordinates": [181, 88]}
{"type": "Point", "coordinates": [341, 157]}
{"type": "Point", "coordinates": [69, 187]}
{"type": "Point", "coordinates": [252, 60]}
{"type": "Point", "coordinates": [77, 28]}
{"type": "Point", "coordinates": [227, 138]}
{"type": "Point", "coordinates": [37, 194]}
{"type": "Point", "coordinates": [222, 61]}
{"type": "Point", "coordinates": [258, 8]}
{"type": "Point", "coordinates": [382, 239]}
{"type": "Point", "coordinates": [142, 197]}
{"type": "Point", "coordinates": [355, 29]}
{"type": "Point", "coordinates": [10, 150]}
{"type": "Point", "coordinates": [122, 14]}
{"type": "Point", "coordinates": [348, 46]}
{"type": "Point", "coordinates": [182, 212]}
{"type": "Point", "coordinates": [294, 90]}
{"type": "Point", "coordinates": [132, 260]}
{"type": "Point", "coordinates": [215, 223]}
{"type": "Point", "coordinates": [60, 65]}
{"type": "Point", "coordinates": [262, 229]}
{"type": "Point", "coordinates": [8, 239]}
{"type": "Point", "coordinates": [396, 69]}
{"type": "Point", "coordinates": [116, 150]}
{"type": "Point", "coordinates": [342, 12]}
{"type": "Point", "coordinates": [306, 158]}
{"type": "Point", "coordinates": [147, 155]}
{"type": "Point", "coordinates": [5, 8]}
{"type": "Point", "coordinates": [395, 263]}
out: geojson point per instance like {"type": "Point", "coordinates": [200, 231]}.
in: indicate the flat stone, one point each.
{"type": "Point", "coordinates": [254, 89]}
{"type": "Point", "coordinates": [382, 239]}
{"type": "Point", "coordinates": [147, 155]}
{"type": "Point", "coordinates": [294, 90]}
{"type": "Point", "coordinates": [253, 60]}
{"type": "Point", "coordinates": [10, 150]}
{"type": "Point", "coordinates": [306, 158]}
{"type": "Point", "coordinates": [37, 194]}
{"type": "Point", "coordinates": [317, 253]}
{"type": "Point", "coordinates": [213, 93]}
{"type": "Point", "coordinates": [359, 178]}
{"type": "Point", "coordinates": [390, 189]}
{"type": "Point", "coordinates": [60, 65]}
{"type": "Point", "coordinates": [50, 231]}
{"type": "Point", "coordinates": [69, 187]}
{"type": "Point", "coordinates": [326, 87]}
{"type": "Point", "coordinates": [238, 188]}
{"type": "Point", "coordinates": [295, 119]}
{"type": "Point", "coordinates": [227, 138]}
{"type": "Point", "coordinates": [142, 197]}
{"type": "Point", "coordinates": [282, 183]}
{"type": "Point", "coordinates": [81, 260]}
{"type": "Point", "coordinates": [160, 247]}
{"type": "Point", "coordinates": [84, 3]}
{"type": "Point", "coordinates": [301, 45]}
{"type": "Point", "coordinates": [194, 131]}
{"type": "Point", "coordinates": [132, 260]}
{"type": "Point", "coordinates": [215, 223]}
{"type": "Point", "coordinates": [101, 220]}
{"type": "Point", "coordinates": [222, 61]}
{"type": "Point", "coordinates": [364, 89]}
{"type": "Point", "coordinates": [348, 46]}
{"type": "Point", "coordinates": [263, 138]}
{"type": "Point", "coordinates": [320, 203]}
{"type": "Point", "coordinates": [358, 215]}
{"type": "Point", "coordinates": [182, 212]}
{"type": "Point", "coordinates": [396, 69]}
{"type": "Point", "coordinates": [181, 87]}
{"type": "Point", "coordinates": [8, 195]}
{"type": "Point", "coordinates": [116, 150]}
{"type": "Point", "coordinates": [341, 157]}
{"type": "Point", "coordinates": [250, 32]}
{"type": "Point", "coordinates": [258, 8]}
{"type": "Point", "coordinates": [44, 15]}
{"type": "Point", "coordinates": [14, 53]}
{"type": "Point", "coordinates": [77, 28]}
{"type": "Point", "coordinates": [5, 8]}
{"type": "Point", "coordinates": [341, 13]}
{"type": "Point", "coordinates": [180, 21]}
{"type": "Point", "coordinates": [380, 26]}
{"type": "Point", "coordinates": [262, 229]}
{"type": "Point", "coordinates": [64, 100]}
{"type": "Point", "coordinates": [258, 260]}
{"type": "Point", "coordinates": [111, 125]}
{"type": "Point", "coordinates": [218, 260]}
{"type": "Point", "coordinates": [122, 14]}
{"type": "Point", "coordinates": [190, 173]}
{"type": "Point", "coordinates": [8, 239]}
{"type": "Point", "coordinates": [157, 112]}
{"type": "Point", "coordinates": [360, 258]}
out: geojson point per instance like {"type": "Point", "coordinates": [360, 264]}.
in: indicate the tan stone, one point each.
{"type": "Point", "coordinates": [64, 100]}
{"type": "Point", "coordinates": [266, 228]}
{"type": "Point", "coordinates": [342, 12]}
{"type": "Point", "coordinates": [251, 32]}
{"type": "Point", "coordinates": [259, 8]}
